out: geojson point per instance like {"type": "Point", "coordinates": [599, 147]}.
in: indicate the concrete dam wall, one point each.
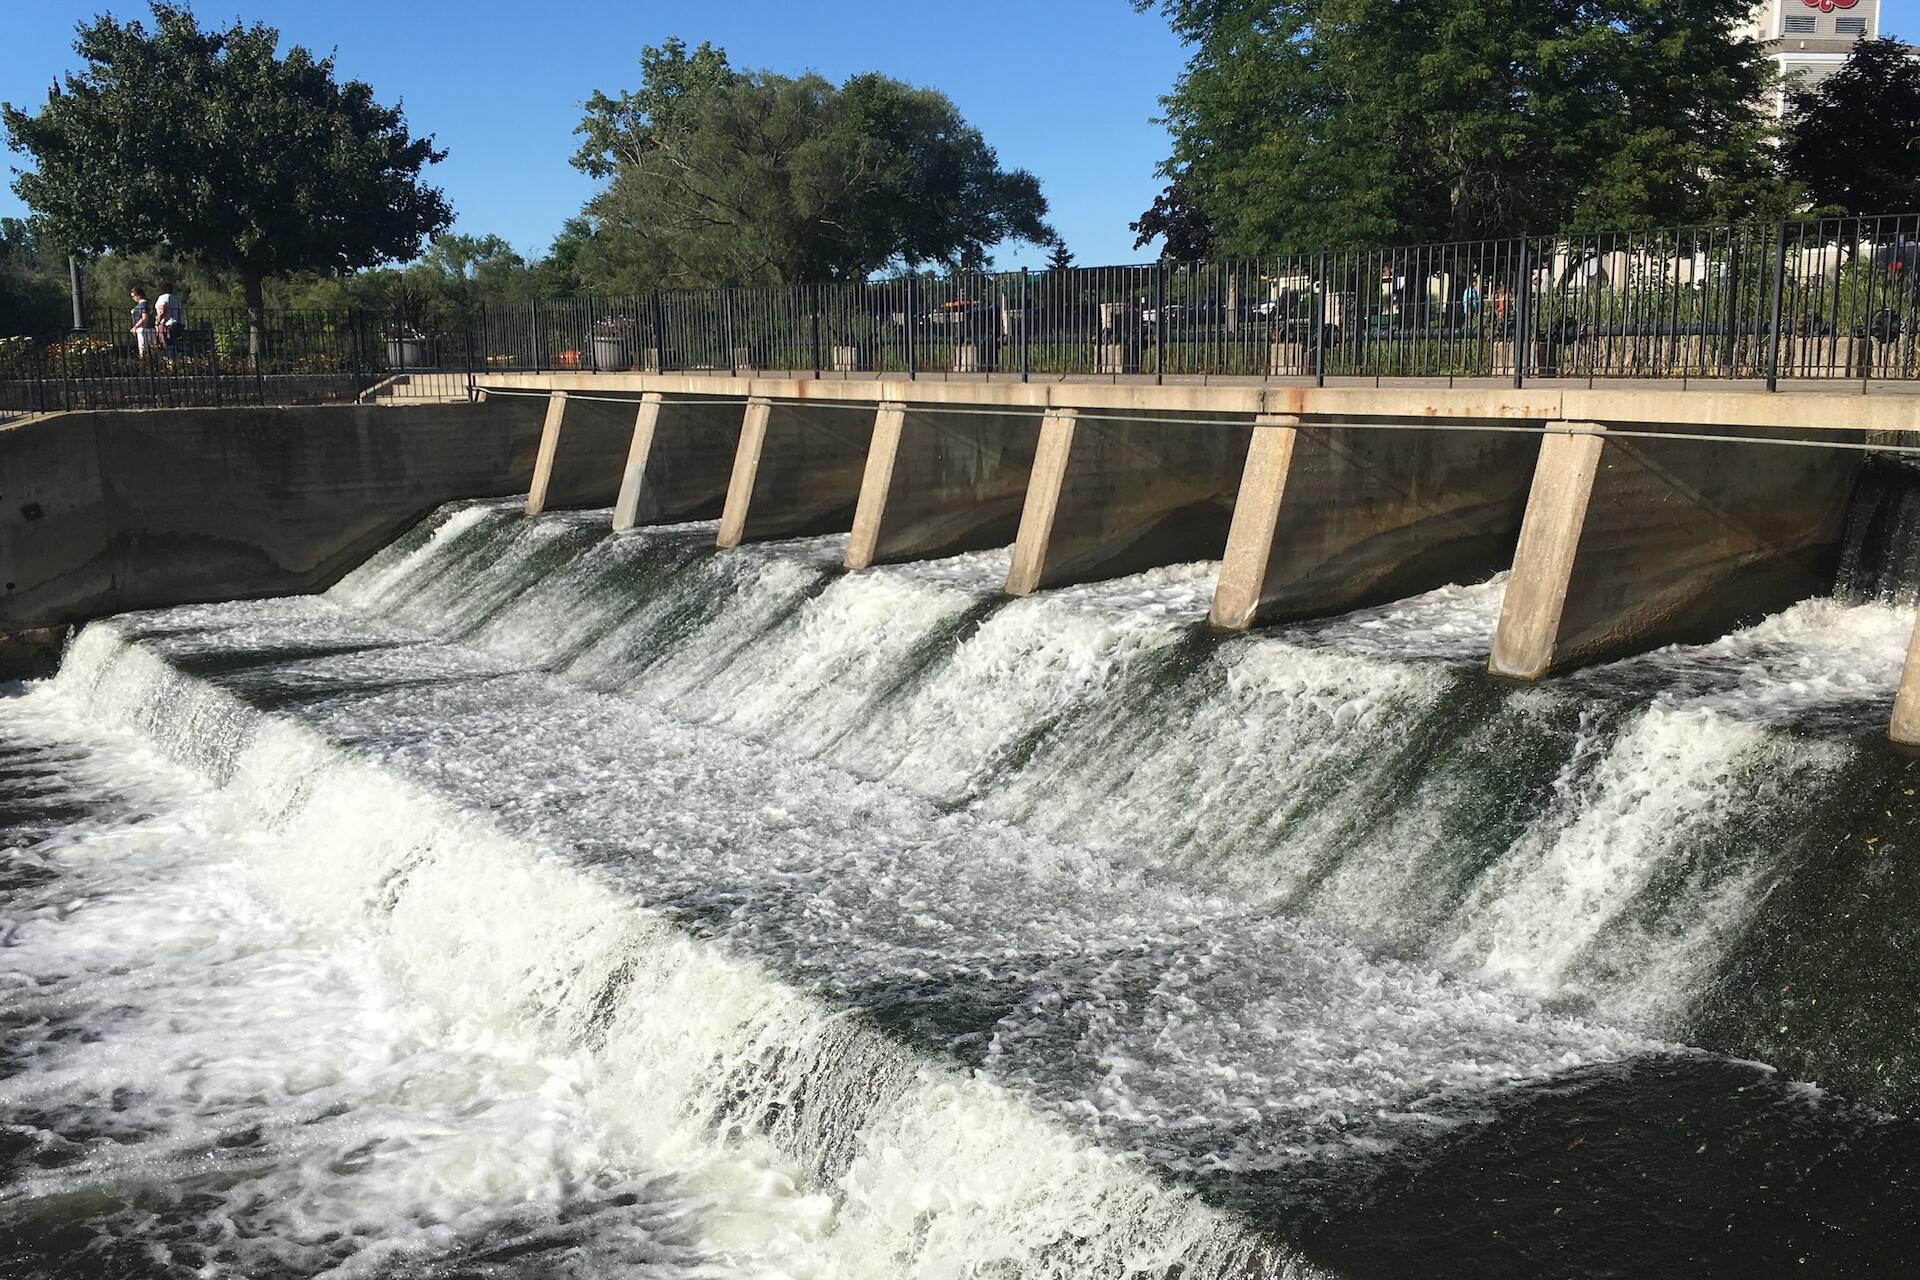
{"type": "Point", "coordinates": [1622, 533]}
{"type": "Point", "coordinates": [1619, 539]}
{"type": "Point", "coordinates": [101, 512]}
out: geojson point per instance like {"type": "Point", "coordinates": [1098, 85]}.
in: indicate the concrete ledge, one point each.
{"type": "Point", "coordinates": [797, 471]}
{"type": "Point", "coordinates": [938, 484]}
{"type": "Point", "coordinates": [1838, 405]}
{"type": "Point", "coordinates": [1629, 544]}
{"type": "Point", "coordinates": [1329, 520]}
{"type": "Point", "coordinates": [1112, 498]}
{"type": "Point", "coordinates": [680, 461]}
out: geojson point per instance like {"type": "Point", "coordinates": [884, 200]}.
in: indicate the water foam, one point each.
{"type": "Point", "coordinates": [930, 1171]}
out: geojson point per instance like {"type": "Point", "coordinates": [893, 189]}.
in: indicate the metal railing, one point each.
{"type": "Point", "coordinates": [1825, 300]}
{"type": "Point", "coordinates": [1829, 299]}
{"type": "Point", "coordinates": [298, 357]}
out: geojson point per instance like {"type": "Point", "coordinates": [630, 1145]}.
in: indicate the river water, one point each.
{"type": "Point", "coordinates": [541, 902]}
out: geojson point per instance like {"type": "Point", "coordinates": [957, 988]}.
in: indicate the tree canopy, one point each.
{"type": "Point", "coordinates": [723, 176]}
{"type": "Point", "coordinates": [1178, 219]}
{"type": "Point", "coordinates": [1853, 139]}
{"type": "Point", "coordinates": [210, 145]}
{"type": "Point", "coordinates": [33, 300]}
{"type": "Point", "coordinates": [1308, 123]}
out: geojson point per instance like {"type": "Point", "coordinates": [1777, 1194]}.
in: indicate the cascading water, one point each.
{"type": "Point", "coordinates": [544, 902]}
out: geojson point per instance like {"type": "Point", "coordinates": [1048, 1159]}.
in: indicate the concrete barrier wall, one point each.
{"type": "Point", "coordinates": [797, 471]}
{"type": "Point", "coordinates": [1111, 497]}
{"type": "Point", "coordinates": [679, 462]}
{"type": "Point", "coordinates": [106, 511]}
{"type": "Point", "coordinates": [1335, 518]}
{"type": "Point", "coordinates": [1631, 543]}
{"type": "Point", "coordinates": [939, 483]}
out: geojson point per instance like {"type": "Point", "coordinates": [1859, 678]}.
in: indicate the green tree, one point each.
{"type": "Point", "coordinates": [34, 300]}
{"type": "Point", "coordinates": [721, 176]}
{"type": "Point", "coordinates": [1179, 218]}
{"type": "Point", "coordinates": [459, 274]}
{"type": "Point", "coordinates": [1310, 123]}
{"type": "Point", "coordinates": [211, 146]}
{"type": "Point", "coordinates": [1853, 139]}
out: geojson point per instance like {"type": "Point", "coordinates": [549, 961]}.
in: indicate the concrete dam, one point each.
{"type": "Point", "coordinates": [696, 827]}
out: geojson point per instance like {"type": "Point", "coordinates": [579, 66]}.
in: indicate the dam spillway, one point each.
{"type": "Point", "coordinates": [548, 901]}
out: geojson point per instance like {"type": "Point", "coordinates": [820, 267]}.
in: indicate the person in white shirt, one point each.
{"type": "Point", "coordinates": [170, 320]}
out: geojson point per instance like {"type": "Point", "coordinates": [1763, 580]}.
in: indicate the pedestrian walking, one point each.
{"type": "Point", "coordinates": [170, 321]}
{"type": "Point", "coordinates": [142, 330]}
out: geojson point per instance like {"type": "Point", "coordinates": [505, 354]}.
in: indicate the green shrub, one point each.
{"type": "Point", "coordinates": [230, 339]}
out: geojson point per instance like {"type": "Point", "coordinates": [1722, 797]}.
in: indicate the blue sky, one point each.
{"type": "Point", "coordinates": [1065, 88]}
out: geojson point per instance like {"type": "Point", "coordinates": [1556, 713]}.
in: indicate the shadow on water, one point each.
{"type": "Point", "coordinates": [1658, 1166]}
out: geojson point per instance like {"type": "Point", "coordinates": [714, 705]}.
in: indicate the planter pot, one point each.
{"type": "Point", "coordinates": [409, 353]}
{"type": "Point", "coordinates": [612, 355]}
{"type": "Point", "coordinates": [851, 359]}
{"type": "Point", "coordinates": [1116, 357]}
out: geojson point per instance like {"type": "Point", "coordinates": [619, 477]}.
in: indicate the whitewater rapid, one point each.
{"type": "Point", "coordinates": [563, 904]}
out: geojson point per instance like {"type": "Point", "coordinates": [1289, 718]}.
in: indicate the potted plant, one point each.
{"type": "Point", "coordinates": [613, 340]}
{"type": "Point", "coordinates": [409, 345]}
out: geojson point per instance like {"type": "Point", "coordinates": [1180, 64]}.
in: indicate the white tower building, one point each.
{"type": "Point", "coordinates": [1809, 39]}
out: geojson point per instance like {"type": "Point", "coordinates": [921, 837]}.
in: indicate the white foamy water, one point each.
{"type": "Point", "coordinates": [267, 1085]}
{"type": "Point", "coordinates": [1335, 769]}
{"type": "Point", "coordinates": [693, 1051]}
{"type": "Point", "coordinates": [820, 925]}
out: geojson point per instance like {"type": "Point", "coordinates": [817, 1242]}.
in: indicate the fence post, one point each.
{"type": "Point", "coordinates": [726, 330]}
{"type": "Point", "coordinates": [1522, 314]}
{"type": "Point", "coordinates": [533, 335]}
{"type": "Point", "coordinates": [1159, 322]}
{"type": "Point", "coordinates": [813, 313]}
{"type": "Point", "coordinates": [913, 311]}
{"type": "Point", "coordinates": [353, 353]}
{"type": "Point", "coordinates": [1026, 322]}
{"type": "Point", "coordinates": [1779, 289]}
{"type": "Point", "coordinates": [659, 333]}
{"type": "Point", "coordinates": [213, 358]}
{"type": "Point", "coordinates": [471, 393]}
{"type": "Point", "coordinates": [1320, 322]}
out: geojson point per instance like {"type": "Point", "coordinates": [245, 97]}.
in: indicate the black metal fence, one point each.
{"type": "Point", "coordinates": [1831, 299]}
{"type": "Point", "coordinates": [297, 357]}
{"type": "Point", "coordinates": [1826, 300]}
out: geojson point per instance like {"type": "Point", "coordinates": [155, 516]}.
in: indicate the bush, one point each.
{"type": "Point", "coordinates": [16, 354]}
{"type": "Point", "coordinates": [230, 339]}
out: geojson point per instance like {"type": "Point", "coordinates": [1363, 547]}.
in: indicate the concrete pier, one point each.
{"type": "Point", "coordinates": [679, 462]}
{"type": "Point", "coordinates": [549, 446]}
{"type": "Point", "coordinates": [1905, 727]}
{"type": "Point", "coordinates": [575, 437]}
{"type": "Point", "coordinates": [1631, 543]}
{"type": "Point", "coordinates": [939, 483]}
{"type": "Point", "coordinates": [797, 470]}
{"type": "Point", "coordinates": [1109, 498]}
{"type": "Point", "coordinates": [1336, 518]}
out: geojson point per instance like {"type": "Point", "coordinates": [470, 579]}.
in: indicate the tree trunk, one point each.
{"type": "Point", "coordinates": [256, 316]}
